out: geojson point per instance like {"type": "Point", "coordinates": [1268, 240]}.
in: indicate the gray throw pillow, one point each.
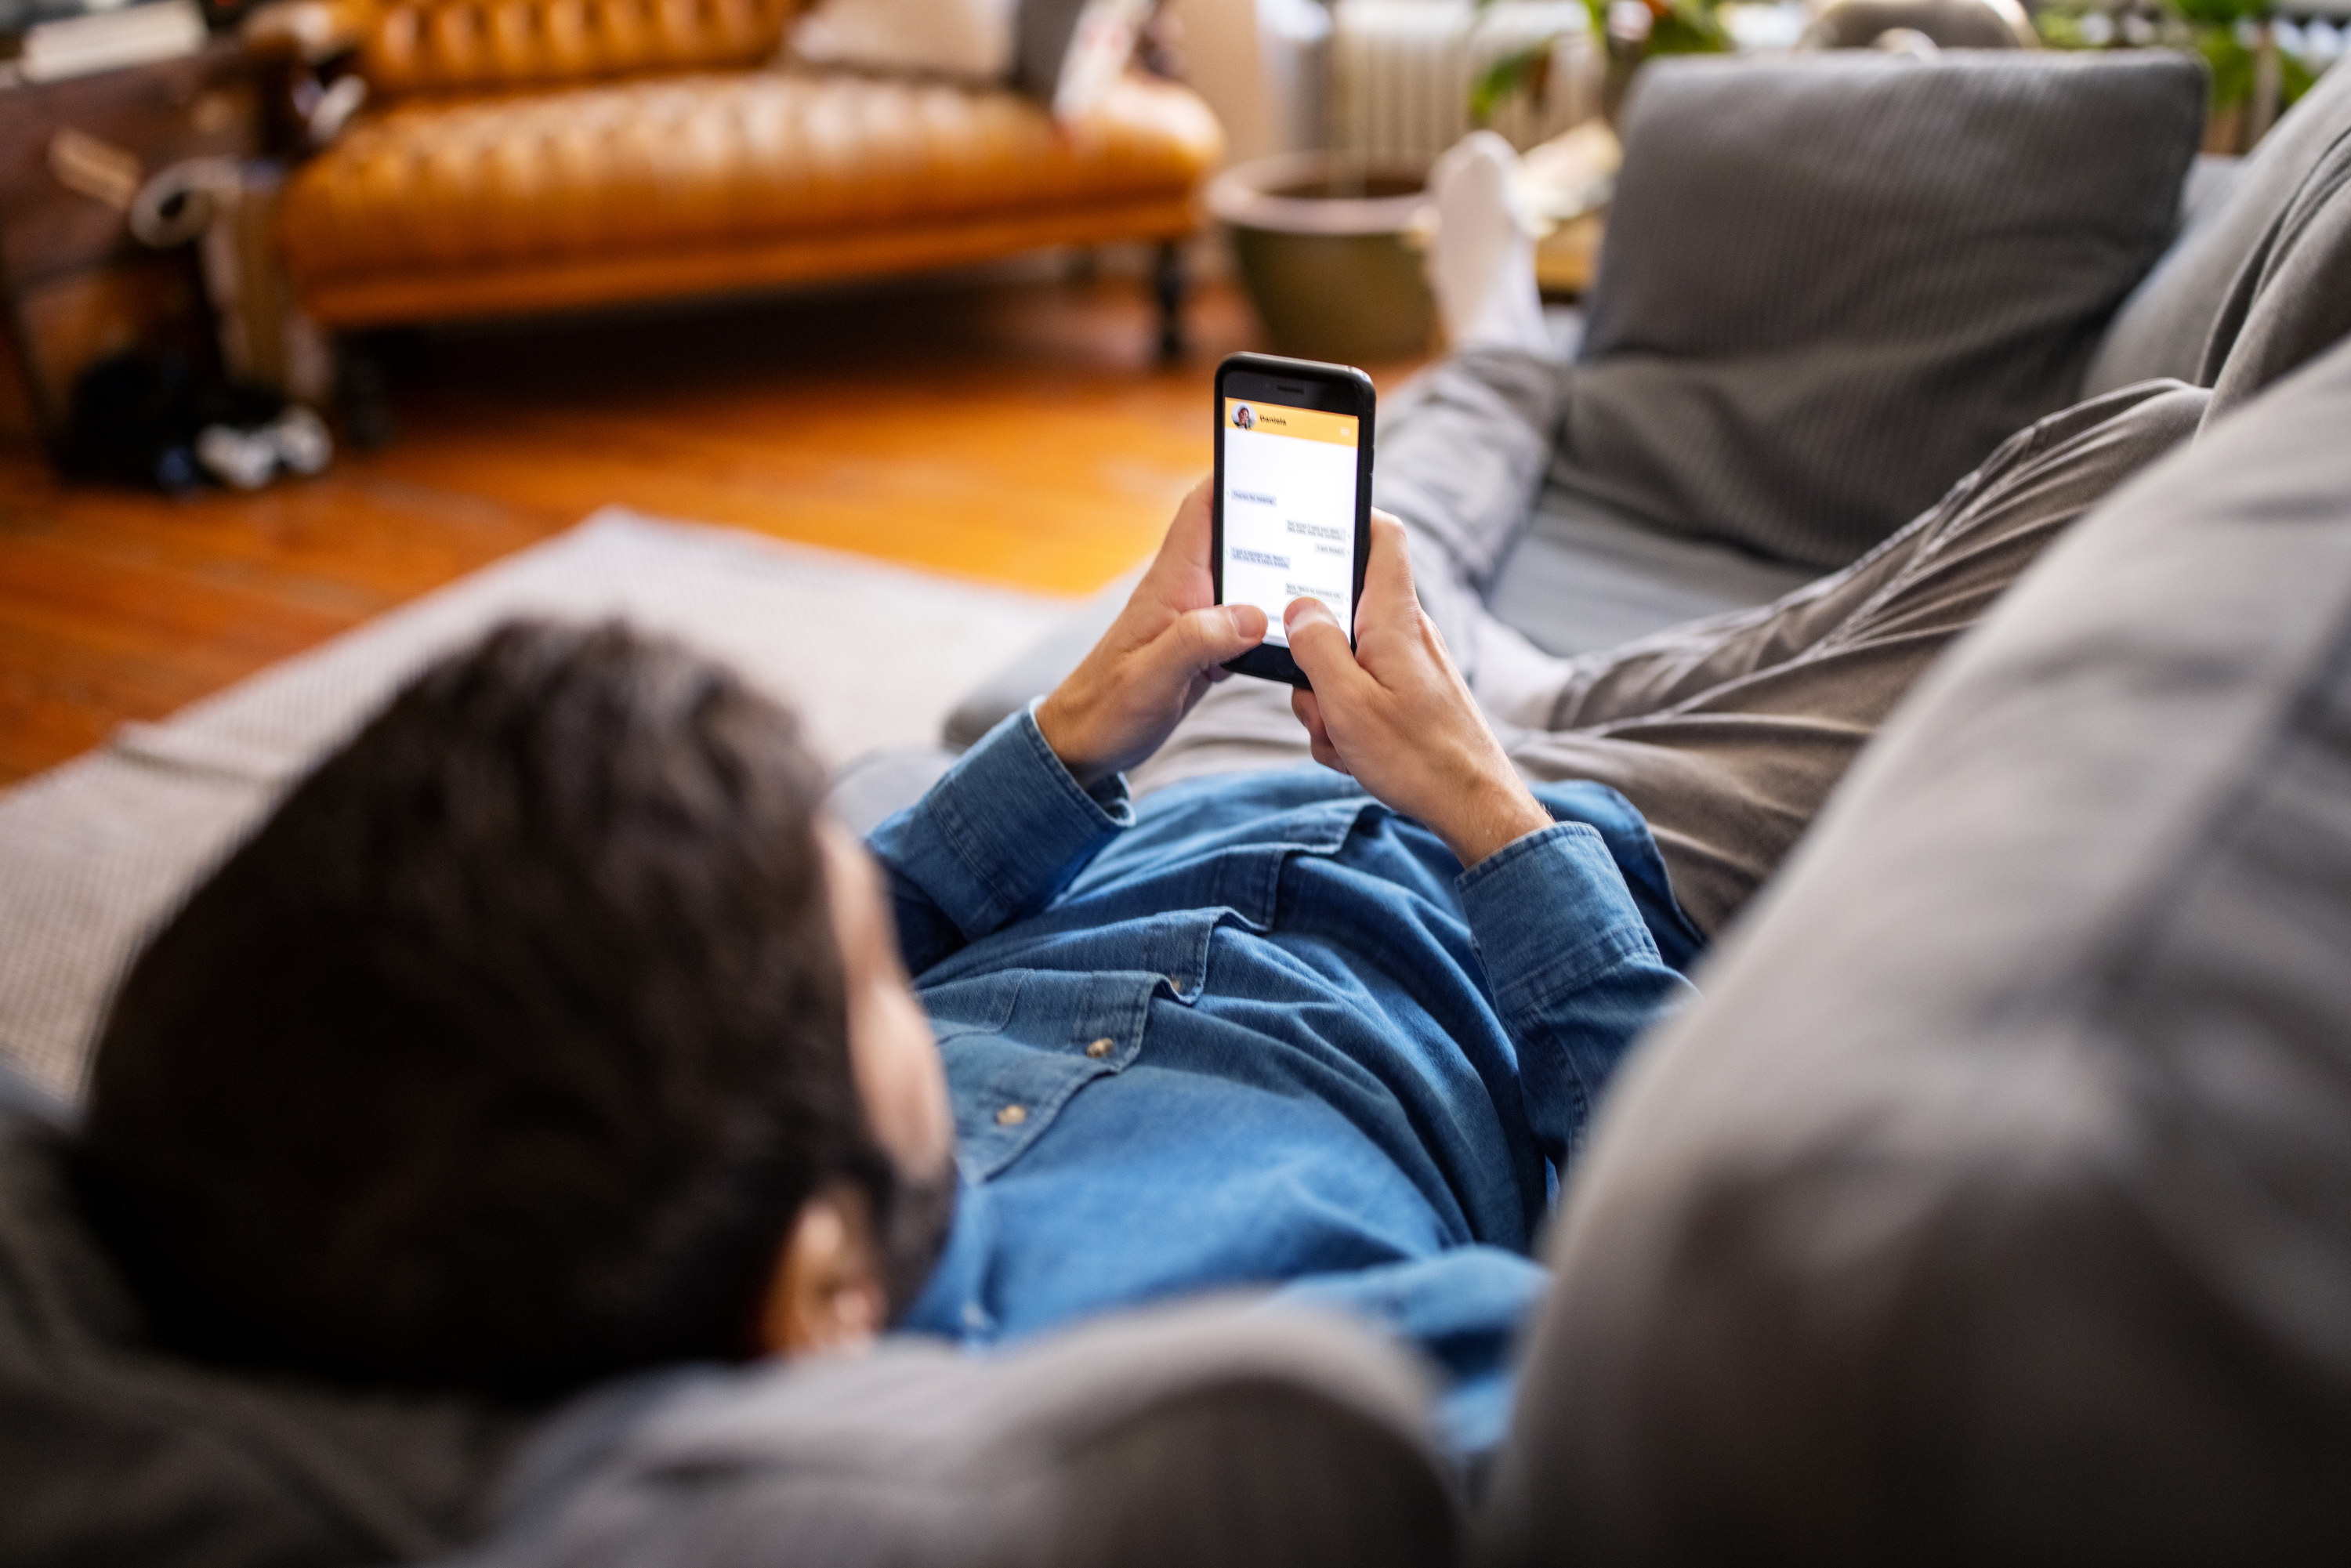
{"type": "Point", "coordinates": [1994, 1206]}
{"type": "Point", "coordinates": [1833, 284]}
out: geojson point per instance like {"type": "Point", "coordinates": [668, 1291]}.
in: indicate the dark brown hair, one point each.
{"type": "Point", "coordinates": [505, 1052]}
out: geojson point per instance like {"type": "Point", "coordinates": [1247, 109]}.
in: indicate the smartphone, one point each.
{"type": "Point", "coordinates": [1293, 494]}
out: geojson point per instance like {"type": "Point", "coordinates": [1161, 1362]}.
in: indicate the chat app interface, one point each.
{"type": "Point", "coordinates": [1290, 510]}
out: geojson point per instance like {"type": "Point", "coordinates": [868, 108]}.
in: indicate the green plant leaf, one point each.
{"type": "Point", "coordinates": [1520, 70]}
{"type": "Point", "coordinates": [1681, 28]}
{"type": "Point", "coordinates": [2230, 62]}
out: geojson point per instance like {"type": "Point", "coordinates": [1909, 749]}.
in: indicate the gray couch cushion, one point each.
{"type": "Point", "coordinates": [113, 1451]}
{"type": "Point", "coordinates": [2166, 326]}
{"type": "Point", "coordinates": [2211, 181]}
{"type": "Point", "coordinates": [1833, 284]}
{"type": "Point", "coordinates": [868, 791]}
{"type": "Point", "coordinates": [1995, 1204]}
{"type": "Point", "coordinates": [1582, 578]}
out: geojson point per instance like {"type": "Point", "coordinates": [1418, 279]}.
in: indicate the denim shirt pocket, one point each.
{"type": "Point", "coordinates": [1248, 879]}
{"type": "Point", "coordinates": [981, 1004]}
{"type": "Point", "coordinates": [1009, 1084]}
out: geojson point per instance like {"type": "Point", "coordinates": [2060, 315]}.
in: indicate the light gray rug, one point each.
{"type": "Point", "coordinates": [93, 854]}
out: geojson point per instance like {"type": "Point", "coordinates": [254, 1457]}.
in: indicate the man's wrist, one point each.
{"type": "Point", "coordinates": [1492, 819]}
{"type": "Point", "coordinates": [1060, 721]}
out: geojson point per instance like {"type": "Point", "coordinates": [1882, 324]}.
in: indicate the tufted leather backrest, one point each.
{"type": "Point", "coordinates": [423, 46]}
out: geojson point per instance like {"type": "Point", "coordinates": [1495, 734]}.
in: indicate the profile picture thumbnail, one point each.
{"type": "Point", "coordinates": [1244, 417]}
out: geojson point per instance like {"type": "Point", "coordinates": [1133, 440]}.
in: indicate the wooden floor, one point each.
{"type": "Point", "coordinates": [1016, 432]}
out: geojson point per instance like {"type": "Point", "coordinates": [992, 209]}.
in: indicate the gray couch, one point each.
{"type": "Point", "coordinates": [1994, 1204]}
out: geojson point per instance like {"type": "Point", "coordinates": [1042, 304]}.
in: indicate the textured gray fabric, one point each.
{"type": "Point", "coordinates": [881, 784]}
{"type": "Point", "coordinates": [2166, 327]}
{"type": "Point", "coordinates": [113, 1452]}
{"type": "Point", "coordinates": [1995, 1204]}
{"type": "Point", "coordinates": [1582, 578]}
{"type": "Point", "coordinates": [2211, 181]}
{"type": "Point", "coordinates": [1037, 668]}
{"type": "Point", "coordinates": [1207, 1435]}
{"type": "Point", "coordinates": [2290, 300]}
{"type": "Point", "coordinates": [1833, 283]}
{"type": "Point", "coordinates": [1462, 451]}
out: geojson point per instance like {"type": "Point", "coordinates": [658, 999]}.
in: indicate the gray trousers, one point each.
{"type": "Point", "coordinates": [1727, 734]}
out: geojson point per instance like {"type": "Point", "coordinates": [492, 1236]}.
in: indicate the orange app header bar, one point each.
{"type": "Point", "coordinates": [1281, 419]}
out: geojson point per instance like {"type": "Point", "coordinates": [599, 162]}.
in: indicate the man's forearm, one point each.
{"type": "Point", "coordinates": [1490, 809]}
{"type": "Point", "coordinates": [1165, 649]}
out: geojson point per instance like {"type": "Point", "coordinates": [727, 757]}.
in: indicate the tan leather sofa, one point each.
{"type": "Point", "coordinates": [522, 155]}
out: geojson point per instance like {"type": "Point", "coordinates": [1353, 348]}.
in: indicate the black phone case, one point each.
{"type": "Point", "coordinates": [1266, 663]}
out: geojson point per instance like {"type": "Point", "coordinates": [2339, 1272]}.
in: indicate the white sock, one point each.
{"type": "Point", "coordinates": [1482, 266]}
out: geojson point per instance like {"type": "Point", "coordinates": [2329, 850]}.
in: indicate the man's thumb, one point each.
{"type": "Point", "coordinates": [1317, 645]}
{"type": "Point", "coordinates": [1209, 637]}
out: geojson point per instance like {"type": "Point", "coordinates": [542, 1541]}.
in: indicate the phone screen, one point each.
{"type": "Point", "coordinates": [1290, 510]}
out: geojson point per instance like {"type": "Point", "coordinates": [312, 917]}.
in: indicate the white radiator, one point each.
{"type": "Point", "coordinates": [1400, 71]}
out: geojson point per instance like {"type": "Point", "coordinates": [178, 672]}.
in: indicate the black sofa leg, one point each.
{"type": "Point", "coordinates": [1167, 287]}
{"type": "Point", "coordinates": [364, 391]}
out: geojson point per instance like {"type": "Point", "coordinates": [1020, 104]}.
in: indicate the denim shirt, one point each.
{"type": "Point", "coordinates": [1260, 1031]}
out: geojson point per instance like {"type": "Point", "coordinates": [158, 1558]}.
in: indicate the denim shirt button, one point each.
{"type": "Point", "coordinates": [1100, 1048]}
{"type": "Point", "coordinates": [1175, 985]}
{"type": "Point", "coordinates": [1012, 1116]}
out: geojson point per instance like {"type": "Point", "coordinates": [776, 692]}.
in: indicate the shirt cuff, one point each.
{"type": "Point", "coordinates": [1550, 911]}
{"type": "Point", "coordinates": [1007, 827]}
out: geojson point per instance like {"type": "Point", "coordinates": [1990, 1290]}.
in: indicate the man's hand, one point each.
{"type": "Point", "coordinates": [1394, 713]}
{"type": "Point", "coordinates": [1157, 659]}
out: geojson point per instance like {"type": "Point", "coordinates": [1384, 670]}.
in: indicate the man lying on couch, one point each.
{"type": "Point", "coordinates": [545, 1033]}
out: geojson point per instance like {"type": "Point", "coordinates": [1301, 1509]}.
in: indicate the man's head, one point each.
{"type": "Point", "coordinates": [544, 1032]}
